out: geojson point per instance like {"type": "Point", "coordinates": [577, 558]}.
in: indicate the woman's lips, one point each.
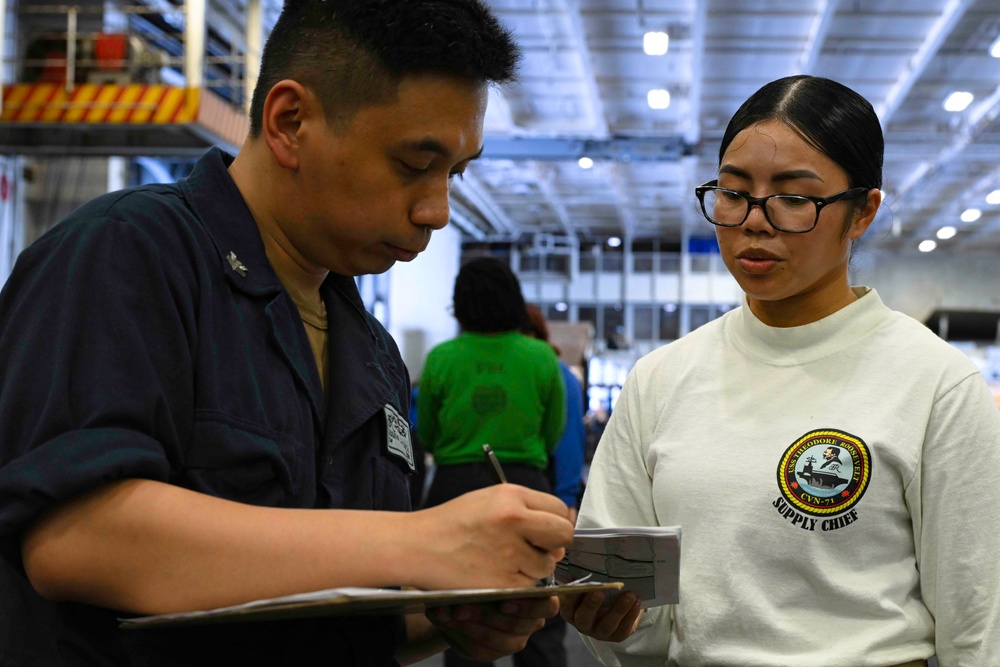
{"type": "Point", "coordinates": [757, 263]}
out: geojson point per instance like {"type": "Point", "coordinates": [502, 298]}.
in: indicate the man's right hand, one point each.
{"type": "Point", "coordinates": [498, 537]}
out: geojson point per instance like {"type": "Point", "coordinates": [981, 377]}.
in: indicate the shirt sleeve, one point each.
{"type": "Point", "coordinates": [568, 456]}
{"type": "Point", "coordinates": [620, 493]}
{"type": "Point", "coordinates": [97, 381]}
{"type": "Point", "coordinates": [956, 520]}
{"type": "Point", "coordinates": [554, 417]}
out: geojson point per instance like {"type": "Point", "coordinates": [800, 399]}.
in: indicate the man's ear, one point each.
{"type": "Point", "coordinates": [284, 111]}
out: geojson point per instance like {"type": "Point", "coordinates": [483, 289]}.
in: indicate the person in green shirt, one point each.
{"type": "Point", "coordinates": [492, 385]}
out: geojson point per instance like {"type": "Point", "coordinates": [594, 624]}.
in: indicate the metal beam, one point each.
{"type": "Point", "coordinates": [692, 133]}
{"type": "Point", "coordinates": [462, 218]}
{"type": "Point", "coordinates": [552, 198]}
{"type": "Point", "coordinates": [668, 148]}
{"type": "Point", "coordinates": [478, 196]}
{"type": "Point", "coordinates": [985, 230]}
{"type": "Point", "coordinates": [979, 118]}
{"type": "Point", "coordinates": [817, 35]}
{"type": "Point", "coordinates": [578, 37]}
{"type": "Point", "coordinates": [950, 15]}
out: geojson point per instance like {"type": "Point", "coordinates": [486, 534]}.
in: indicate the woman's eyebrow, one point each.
{"type": "Point", "coordinates": [796, 174]}
{"type": "Point", "coordinates": [790, 175]}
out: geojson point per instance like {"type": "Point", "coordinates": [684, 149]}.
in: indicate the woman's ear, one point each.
{"type": "Point", "coordinates": [281, 123]}
{"type": "Point", "coordinates": [866, 215]}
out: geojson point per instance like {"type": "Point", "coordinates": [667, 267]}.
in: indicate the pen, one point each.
{"type": "Point", "coordinates": [502, 478]}
{"type": "Point", "coordinates": [495, 463]}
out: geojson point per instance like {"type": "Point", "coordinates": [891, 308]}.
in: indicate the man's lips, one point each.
{"type": "Point", "coordinates": [403, 254]}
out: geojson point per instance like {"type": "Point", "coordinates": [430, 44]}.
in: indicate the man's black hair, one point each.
{"type": "Point", "coordinates": [353, 53]}
{"type": "Point", "coordinates": [488, 298]}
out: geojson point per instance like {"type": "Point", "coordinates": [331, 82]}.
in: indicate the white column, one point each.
{"type": "Point", "coordinates": [254, 48]}
{"type": "Point", "coordinates": [194, 42]}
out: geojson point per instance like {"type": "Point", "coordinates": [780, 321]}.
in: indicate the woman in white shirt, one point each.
{"type": "Point", "coordinates": [885, 556]}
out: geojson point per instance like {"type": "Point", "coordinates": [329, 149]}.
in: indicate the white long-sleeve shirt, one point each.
{"type": "Point", "coordinates": [838, 487]}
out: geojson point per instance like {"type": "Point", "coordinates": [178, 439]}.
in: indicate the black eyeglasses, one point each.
{"type": "Point", "coordinates": [795, 214]}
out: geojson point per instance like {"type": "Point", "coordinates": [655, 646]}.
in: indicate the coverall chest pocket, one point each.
{"type": "Point", "coordinates": [242, 462]}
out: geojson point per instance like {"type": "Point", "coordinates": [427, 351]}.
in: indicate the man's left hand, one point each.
{"type": "Point", "coordinates": [492, 630]}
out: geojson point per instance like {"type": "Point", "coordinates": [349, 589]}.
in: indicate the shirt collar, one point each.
{"type": "Point", "coordinates": [228, 220]}
{"type": "Point", "coordinates": [226, 217]}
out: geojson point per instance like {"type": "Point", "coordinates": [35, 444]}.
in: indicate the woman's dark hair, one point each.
{"type": "Point", "coordinates": [831, 117]}
{"type": "Point", "coordinates": [352, 54]}
{"type": "Point", "coordinates": [488, 299]}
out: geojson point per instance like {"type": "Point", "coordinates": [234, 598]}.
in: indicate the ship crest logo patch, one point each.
{"type": "Point", "coordinates": [824, 474]}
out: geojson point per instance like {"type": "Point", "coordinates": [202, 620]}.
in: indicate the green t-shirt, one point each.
{"type": "Point", "coordinates": [502, 389]}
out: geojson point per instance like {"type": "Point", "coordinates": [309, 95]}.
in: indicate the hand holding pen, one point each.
{"type": "Point", "coordinates": [502, 479]}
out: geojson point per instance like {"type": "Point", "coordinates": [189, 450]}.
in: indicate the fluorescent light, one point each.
{"type": "Point", "coordinates": [655, 43]}
{"type": "Point", "coordinates": [971, 214]}
{"type": "Point", "coordinates": [658, 98]}
{"type": "Point", "coordinates": [585, 163]}
{"type": "Point", "coordinates": [562, 307]}
{"type": "Point", "coordinates": [958, 101]}
{"type": "Point", "coordinates": [946, 233]}
{"type": "Point", "coordinates": [995, 48]}
{"type": "Point", "coordinates": [993, 197]}
{"type": "Point", "coordinates": [614, 242]}
{"type": "Point", "coordinates": [926, 246]}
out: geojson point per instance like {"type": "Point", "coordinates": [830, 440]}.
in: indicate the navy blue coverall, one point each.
{"type": "Point", "coordinates": [146, 336]}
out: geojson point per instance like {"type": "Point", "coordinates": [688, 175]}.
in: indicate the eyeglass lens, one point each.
{"type": "Point", "coordinates": [786, 212]}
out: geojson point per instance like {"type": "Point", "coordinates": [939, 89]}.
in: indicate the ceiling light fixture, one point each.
{"type": "Point", "coordinates": [958, 101]}
{"type": "Point", "coordinates": [946, 233]}
{"type": "Point", "coordinates": [993, 197]}
{"type": "Point", "coordinates": [655, 43]}
{"type": "Point", "coordinates": [971, 214]}
{"type": "Point", "coordinates": [995, 48]}
{"type": "Point", "coordinates": [658, 98]}
{"type": "Point", "coordinates": [614, 242]}
{"type": "Point", "coordinates": [585, 163]}
{"type": "Point", "coordinates": [926, 246]}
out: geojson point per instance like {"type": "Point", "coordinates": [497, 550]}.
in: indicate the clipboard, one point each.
{"type": "Point", "coordinates": [356, 601]}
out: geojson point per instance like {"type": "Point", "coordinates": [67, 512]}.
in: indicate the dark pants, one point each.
{"type": "Point", "coordinates": [546, 647]}
{"type": "Point", "coordinates": [452, 481]}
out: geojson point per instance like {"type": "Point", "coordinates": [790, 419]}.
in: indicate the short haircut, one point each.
{"type": "Point", "coordinates": [488, 298]}
{"type": "Point", "coordinates": [352, 54]}
{"type": "Point", "coordinates": [831, 117]}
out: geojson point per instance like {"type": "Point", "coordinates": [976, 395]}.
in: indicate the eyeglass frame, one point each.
{"type": "Point", "coordinates": [820, 202]}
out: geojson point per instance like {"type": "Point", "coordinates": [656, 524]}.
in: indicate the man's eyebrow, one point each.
{"type": "Point", "coordinates": [435, 146]}
{"type": "Point", "coordinates": [790, 175]}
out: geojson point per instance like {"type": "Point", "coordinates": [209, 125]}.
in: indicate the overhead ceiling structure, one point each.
{"type": "Point", "coordinates": [583, 89]}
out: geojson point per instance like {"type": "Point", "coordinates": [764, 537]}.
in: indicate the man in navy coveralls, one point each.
{"type": "Point", "coordinates": [197, 411]}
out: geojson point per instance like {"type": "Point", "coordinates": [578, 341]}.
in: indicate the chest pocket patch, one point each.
{"type": "Point", "coordinates": [397, 437]}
